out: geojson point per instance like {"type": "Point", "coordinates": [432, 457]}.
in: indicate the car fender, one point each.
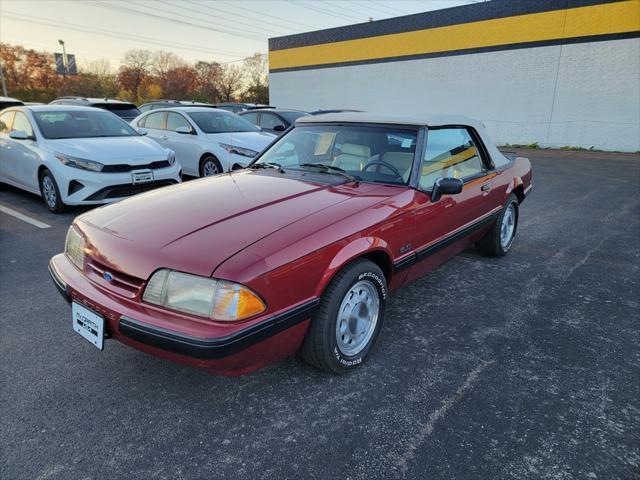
{"type": "Point", "coordinates": [513, 184]}
{"type": "Point", "coordinates": [211, 147]}
{"type": "Point", "coordinates": [353, 250]}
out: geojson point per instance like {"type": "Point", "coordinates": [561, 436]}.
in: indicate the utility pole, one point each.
{"type": "Point", "coordinates": [4, 85]}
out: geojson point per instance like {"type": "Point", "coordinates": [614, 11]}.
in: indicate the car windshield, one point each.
{"type": "Point", "coordinates": [216, 121]}
{"type": "Point", "coordinates": [81, 124]}
{"type": "Point", "coordinates": [379, 154]}
{"type": "Point", "coordinates": [293, 116]}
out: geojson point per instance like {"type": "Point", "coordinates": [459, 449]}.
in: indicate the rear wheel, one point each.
{"type": "Point", "coordinates": [499, 239]}
{"type": "Point", "coordinates": [210, 166]}
{"type": "Point", "coordinates": [50, 192]}
{"type": "Point", "coordinates": [348, 322]}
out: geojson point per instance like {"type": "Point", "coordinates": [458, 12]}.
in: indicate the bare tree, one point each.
{"type": "Point", "coordinates": [256, 70]}
{"type": "Point", "coordinates": [230, 81]}
{"type": "Point", "coordinates": [208, 78]}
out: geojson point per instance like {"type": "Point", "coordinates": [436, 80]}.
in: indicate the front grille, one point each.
{"type": "Point", "coordinates": [121, 282]}
{"type": "Point", "coordinates": [123, 167]}
{"type": "Point", "coordinates": [117, 191]}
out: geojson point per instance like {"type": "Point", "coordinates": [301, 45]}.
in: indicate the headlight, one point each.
{"type": "Point", "coordinates": [245, 152]}
{"type": "Point", "coordinates": [171, 158]}
{"type": "Point", "coordinates": [81, 163]}
{"type": "Point", "coordinates": [205, 297]}
{"type": "Point", "coordinates": [74, 247]}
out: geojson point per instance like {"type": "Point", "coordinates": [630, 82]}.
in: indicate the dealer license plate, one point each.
{"type": "Point", "coordinates": [142, 177]}
{"type": "Point", "coordinates": [88, 324]}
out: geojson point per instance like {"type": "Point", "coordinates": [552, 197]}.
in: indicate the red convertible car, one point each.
{"type": "Point", "coordinates": [296, 253]}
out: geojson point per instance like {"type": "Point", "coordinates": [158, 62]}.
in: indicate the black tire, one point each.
{"type": "Point", "coordinates": [491, 244]}
{"type": "Point", "coordinates": [49, 184]}
{"type": "Point", "coordinates": [320, 347]}
{"type": "Point", "coordinates": [212, 160]}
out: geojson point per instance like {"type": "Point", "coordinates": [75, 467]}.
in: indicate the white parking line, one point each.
{"type": "Point", "coordinates": [24, 218]}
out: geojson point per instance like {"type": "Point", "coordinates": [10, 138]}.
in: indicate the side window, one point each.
{"type": "Point", "coordinates": [175, 120]}
{"type": "Point", "coordinates": [154, 120]}
{"type": "Point", "coordinates": [450, 152]}
{"type": "Point", "coordinates": [21, 122]}
{"type": "Point", "coordinates": [5, 122]}
{"type": "Point", "coordinates": [270, 121]}
{"type": "Point", "coordinates": [252, 117]}
{"type": "Point", "coordinates": [144, 108]}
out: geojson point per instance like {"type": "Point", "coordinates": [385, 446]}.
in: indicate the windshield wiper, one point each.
{"type": "Point", "coordinates": [268, 165]}
{"type": "Point", "coordinates": [332, 170]}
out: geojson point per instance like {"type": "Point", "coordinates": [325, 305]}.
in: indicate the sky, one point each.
{"type": "Point", "coordinates": [211, 30]}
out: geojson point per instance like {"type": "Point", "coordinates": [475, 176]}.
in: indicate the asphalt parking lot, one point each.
{"type": "Point", "coordinates": [522, 367]}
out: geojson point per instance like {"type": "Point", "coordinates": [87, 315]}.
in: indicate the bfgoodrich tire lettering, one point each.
{"type": "Point", "coordinates": [349, 319]}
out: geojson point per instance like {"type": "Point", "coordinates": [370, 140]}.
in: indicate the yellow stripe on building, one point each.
{"type": "Point", "coordinates": [609, 18]}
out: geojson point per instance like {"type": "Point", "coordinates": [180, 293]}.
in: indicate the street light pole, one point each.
{"type": "Point", "coordinates": [4, 84]}
{"type": "Point", "coordinates": [64, 59]}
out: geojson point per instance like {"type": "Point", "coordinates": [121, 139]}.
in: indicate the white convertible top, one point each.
{"type": "Point", "coordinates": [413, 120]}
{"type": "Point", "coordinates": [366, 117]}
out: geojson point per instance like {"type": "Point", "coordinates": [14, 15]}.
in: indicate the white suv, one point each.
{"type": "Point", "coordinates": [207, 141]}
{"type": "Point", "coordinates": [79, 156]}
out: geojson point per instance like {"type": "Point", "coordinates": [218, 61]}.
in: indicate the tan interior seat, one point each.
{"type": "Point", "coordinates": [353, 156]}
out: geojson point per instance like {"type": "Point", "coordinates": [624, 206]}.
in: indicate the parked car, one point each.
{"type": "Point", "coordinates": [79, 156]}
{"type": "Point", "coordinates": [322, 112]}
{"type": "Point", "coordinates": [155, 104]}
{"type": "Point", "coordinates": [273, 120]}
{"type": "Point", "coordinates": [298, 252]}
{"type": "Point", "coordinates": [125, 110]}
{"type": "Point", "coordinates": [240, 107]}
{"type": "Point", "coordinates": [207, 141]}
{"type": "Point", "coordinates": [6, 102]}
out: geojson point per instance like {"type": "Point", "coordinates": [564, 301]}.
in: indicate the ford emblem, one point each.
{"type": "Point", "coordinates": [107, 276]}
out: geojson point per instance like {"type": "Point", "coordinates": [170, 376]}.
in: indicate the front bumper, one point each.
{"type": "Point", "coordinates": [99, 188]}
{"type": "Point", "coordinates": [226, 350]}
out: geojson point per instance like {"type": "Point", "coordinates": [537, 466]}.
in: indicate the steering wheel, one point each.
{"type": "Point", "coordinates": [393, 169]}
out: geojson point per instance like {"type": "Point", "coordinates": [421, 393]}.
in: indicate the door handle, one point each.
{"type": "Point", "coordinates": [486, 187]}
{"type": "Point", "coordinates": [164, 137]}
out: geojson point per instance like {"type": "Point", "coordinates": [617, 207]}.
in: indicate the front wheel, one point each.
{"type": "Point", "coordinates": [50, 192]}
{"type": "Point", "coordinates": [210, 166]}
{"type": "Point", "coordinates": [345, 329]}
{"type": "Point", "coordinates": [499, 239]}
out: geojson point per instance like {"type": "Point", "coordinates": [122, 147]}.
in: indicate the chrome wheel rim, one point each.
{"type": "Point", "coordinates": [210, 168]}
{"type": "Point", "coordinates": [49, 191]}
{"type": "Point", "coordinates": [508, 227]}
{"type": "Point", "coordinates": [357, 318]}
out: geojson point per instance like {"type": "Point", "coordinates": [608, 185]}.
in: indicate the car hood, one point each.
{"type": "Point", "coordinates": [254, 140]}
{"type": "Point", "coordinates": [195, 226]}
{"type": "Point", "coordinates": [110, 150]}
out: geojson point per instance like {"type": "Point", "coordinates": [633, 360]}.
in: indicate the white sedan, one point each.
{"type": "Point", "coordinates": [79, 156]}
{"type": "Point", "coordinates": [207, 141]}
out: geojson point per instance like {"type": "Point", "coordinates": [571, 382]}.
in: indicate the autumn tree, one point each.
{"type": "Point", "coordinates": [30, 75]}
{"type": "Point", "coordinates": [143, 75]}
{"type": "Point", "coordinates": [134, 69]}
